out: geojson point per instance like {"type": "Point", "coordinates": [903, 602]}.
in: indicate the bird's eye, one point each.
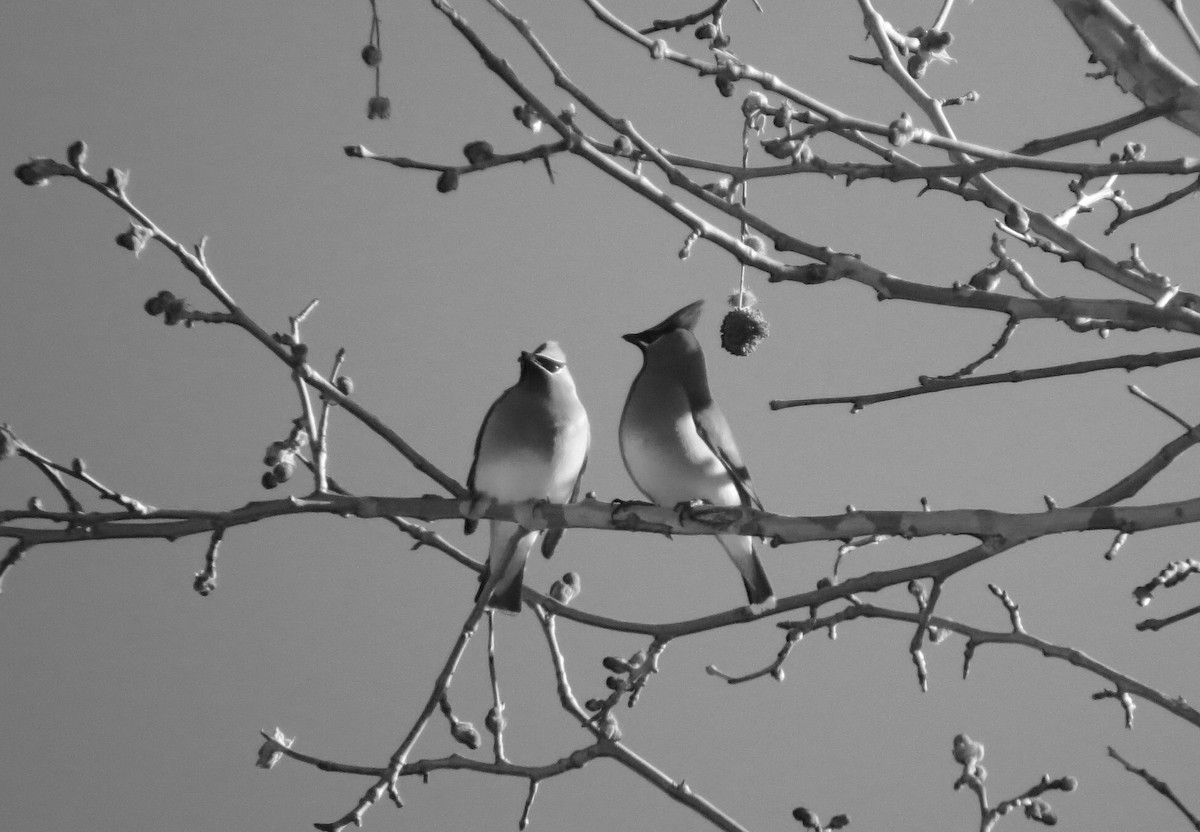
{"type": "Point", "coordinates": [549, 364]}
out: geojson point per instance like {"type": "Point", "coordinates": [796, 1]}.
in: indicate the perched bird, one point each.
{"type": "Point", "coordinates": [676, 444]}
{"type": "Point", "coordinates": [532, 445]}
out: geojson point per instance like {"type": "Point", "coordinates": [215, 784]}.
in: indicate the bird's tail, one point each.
{"type": "Point", "coordinates": [510, 547]}
{"type": "Point", "coordinates": [745, 558]}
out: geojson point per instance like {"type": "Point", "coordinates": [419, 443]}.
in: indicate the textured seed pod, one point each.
{"type": "Point", "coordinates": [379, 106]}
{"type": "Point", "coordinates": [372, 55]}
{"type": "Point", "coordinates": [742, 330]}
{"type": "Point", "coordinates": [478, 152]}
{"type": "Point", "coordinates": [448, 181]}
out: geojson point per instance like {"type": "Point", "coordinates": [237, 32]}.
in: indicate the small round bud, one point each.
{"type": "Point", "coordinates": [615, 664]}
{"type": "Point", "coordinates": [806, 818]}
{"type": "Point", "coordinates": [153, 306]}
{"type": "Point", "coordinates": [284, 469]}
{"type": "Point", "coordinates": [268, 480]}
{"type": "Point", "coordinates": [900, 131]}
{"type": "Point", "coordinates": [594, 704]}
{"type": "Point", "coordinates": [753, 241]}
{"type": "Point", "coordinates": [35, 172]}
{"type": "Point", "coordinates": [465, 734]}
{"type": "Point", "coordinates": [658, 49]}
{"type": "Point", "coordinates": [754, 102]}
{"type": "Point", "coordinates": [133, 238]}
{"type": "Point", "coordinates": [917, 66]}
{"type": "Point", "coordinates": [379, 106]}
{"type": "Point", "coordinates": [724, 86]}
{"type": "Point", "coordinates": [721, 40]}
{"type": "Point", "coordinates": [622, 146]}
{"type": "Point", "coordinates": [448, 181]}
{"type": "Point", "coordinates": [706, 31]}
{"type": "Point", "coordinates": [742, 330]}
{"type": "Point", "coordinates": [777, 674]}
{"type": "Point", "coordinates": [617, 684]}
{"type": "Point", "coordinates": [478, 152]}
{"type": "Point", "coordinates": [1069, 784]}
{"type": "Point", "coordinates": [838, 822]}
{"type": "Point", "coordinates": [525, 114]}
{"type": "Point", "coordinates": [562, 593]}
{"type": "Point", "coordinates": [494, 721]}
{"type": "Point", "coordinates": [345, 385]}
{"type": "Point", "coordinates": [783, 115]}
{"type": "Point", "coordinates": [1016, 218]}
{"type": "Point", "coordinates": [372, 55]}
{"type": "Point", "coordinates": [77, 154]}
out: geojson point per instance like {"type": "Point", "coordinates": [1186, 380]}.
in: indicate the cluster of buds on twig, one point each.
{"type": "Point", "coordinates": [712, 32]}
{"type": "Point", "coordinates": [282, 455]}
{"type": "Point", "coordinates": [931, 46]}
{"type": "Point", "coordinates": [809, 820]}
{"type": "Point", "coordinates": [170, 307]}
{"type": "Point", "coordinates": [566, 588]}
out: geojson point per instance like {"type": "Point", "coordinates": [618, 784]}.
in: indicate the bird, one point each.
{"type": "Point", "coordinates": [533, 445]}
{"type": "Point", "coordinates": [676, 444]}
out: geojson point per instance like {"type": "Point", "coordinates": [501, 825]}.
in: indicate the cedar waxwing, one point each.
{"type": "Point", "coordinates": [532, 445]}
{"type": "Point", "coordinates": [676, 444]}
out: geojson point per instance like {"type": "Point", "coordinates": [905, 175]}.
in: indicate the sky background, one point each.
{"type": "Point", "coordinates": [127, 701]}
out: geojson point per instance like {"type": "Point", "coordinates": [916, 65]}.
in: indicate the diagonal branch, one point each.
{"type": "Point", "coordinates": [939, 384]}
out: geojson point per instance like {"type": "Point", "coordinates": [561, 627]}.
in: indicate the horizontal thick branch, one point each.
{"type": "Point", "coordinates": [596, 514]}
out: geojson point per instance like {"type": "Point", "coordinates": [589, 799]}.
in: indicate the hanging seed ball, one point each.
{"type": "Point", "coordinates": [742, 329]}
{"type": "Point", "coordinates": [372, 55]}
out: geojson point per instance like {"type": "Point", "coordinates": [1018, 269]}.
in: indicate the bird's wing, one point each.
{"type": "Point", "coordinates": [470, 524]}
{"type": "Point", "coordinates": [714, 430]}
{"type": "Point", "coordinates": [554, 535]}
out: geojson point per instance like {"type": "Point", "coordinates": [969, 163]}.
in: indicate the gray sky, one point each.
{"type": "Point", "coordinates": [130, 702]}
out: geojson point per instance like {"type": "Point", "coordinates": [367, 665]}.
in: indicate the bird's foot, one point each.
{"type": "Point", "coordinates": [623, 514]}
{"type": "Point", "coordinates": [475, 506]}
